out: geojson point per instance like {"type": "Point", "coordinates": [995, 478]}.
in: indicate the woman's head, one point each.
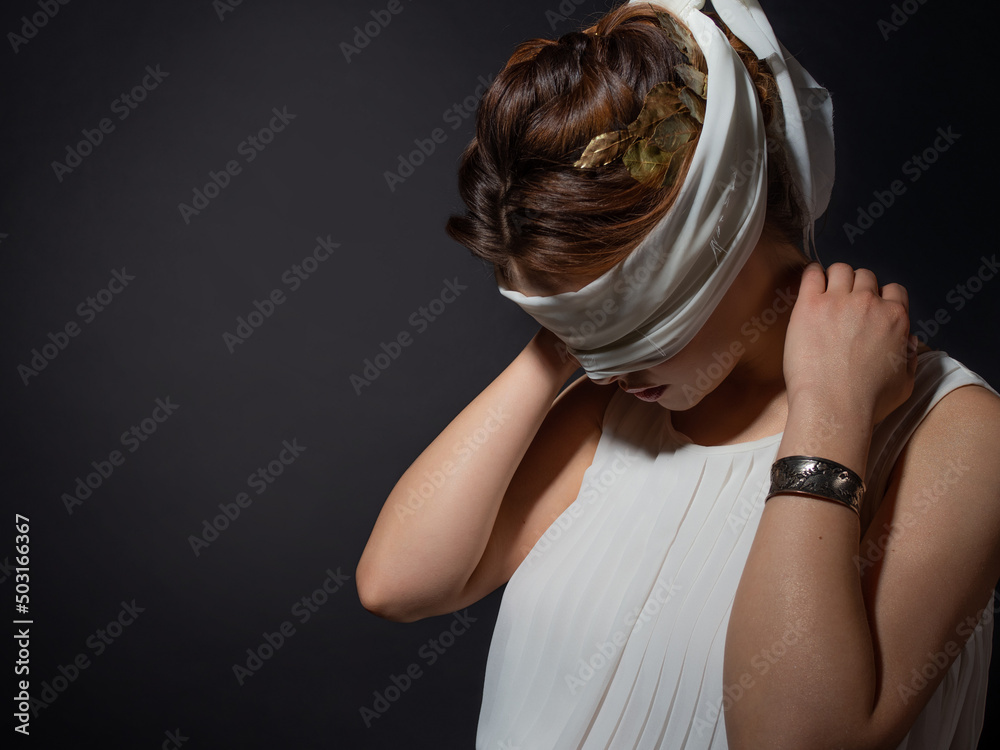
{"type": "Point", "coordinates": [541, 221]}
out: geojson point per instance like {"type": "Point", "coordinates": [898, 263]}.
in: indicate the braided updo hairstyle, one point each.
{"type": "Point", "coordinates": [529, 207]}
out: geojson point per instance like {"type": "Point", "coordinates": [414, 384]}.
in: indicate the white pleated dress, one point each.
{"type": "Point", "coordinates": [610, 634]}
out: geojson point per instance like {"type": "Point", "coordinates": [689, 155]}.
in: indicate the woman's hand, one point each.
{"type": "Point", "coordinates": [848, 342]}
{"type": "Point", "coordinates": [555, 354]}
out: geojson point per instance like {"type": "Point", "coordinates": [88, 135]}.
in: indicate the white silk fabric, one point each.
{"type": "Point", "coordinates": [650, 305]}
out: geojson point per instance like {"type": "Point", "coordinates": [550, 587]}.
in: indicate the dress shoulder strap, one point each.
{"type": "Point", "coordinates": [937, 375]}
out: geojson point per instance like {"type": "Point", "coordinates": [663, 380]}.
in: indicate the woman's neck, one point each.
{"type": "Point", "coordinates": [750, 403]}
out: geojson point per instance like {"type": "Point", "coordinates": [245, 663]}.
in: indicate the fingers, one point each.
{"type": "Point", "coordinates": [864, 280]}
{"type": "Point", "coordinates": [841, 278]}
{"type": "Point", "coordinates": [844, 279]}
{"type": "Point", "coordinates": [813, 279]}
{"type": "Point", "coordinates": [896, 293]}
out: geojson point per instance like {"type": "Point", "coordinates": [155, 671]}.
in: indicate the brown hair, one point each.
{"type": "Point", "coordinates": [526, 202]}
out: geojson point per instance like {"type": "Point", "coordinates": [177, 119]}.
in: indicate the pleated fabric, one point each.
{"type": "Point", "coordinates": [610, 634]}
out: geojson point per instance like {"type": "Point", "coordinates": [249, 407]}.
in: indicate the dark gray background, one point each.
{"type": "Point", "coordinates": [324, 175]}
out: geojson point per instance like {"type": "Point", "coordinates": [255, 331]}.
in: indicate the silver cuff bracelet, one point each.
{"type": "Point", "coordinates": [816, 477]}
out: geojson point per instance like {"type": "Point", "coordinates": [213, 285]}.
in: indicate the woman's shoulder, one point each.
{"type": "Point", "coordinates": [950, 407]}
{"type": "Point", "coordinates": [953, 414]}
{"type": "Point", "coordinates": [960, 400]}
{"type": "Point", "coordinates": [948, 457]}
{"type": "Point", "coordinates": [945, 391]}
{"type": "Point", "coordinates": [956, 401]}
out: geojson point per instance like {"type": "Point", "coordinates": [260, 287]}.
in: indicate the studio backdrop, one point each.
{"type": "Point", "coordinates": [232, 319]}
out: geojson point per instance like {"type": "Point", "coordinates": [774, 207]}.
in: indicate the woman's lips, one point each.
{"type": "Point", "coordinates": [649, 394]}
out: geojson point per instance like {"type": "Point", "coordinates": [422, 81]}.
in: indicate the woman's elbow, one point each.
{"type": "Point", "coordinates": [379, 598]}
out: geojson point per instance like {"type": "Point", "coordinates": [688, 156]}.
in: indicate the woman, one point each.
{"type": "Point", "coordinates": [762, 518]}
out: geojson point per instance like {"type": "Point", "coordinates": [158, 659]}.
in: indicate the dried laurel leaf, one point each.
{"type": "Point", "coordinates": [677, 33]}
{"type": "Point", "coordinates": [604, 148]}
{"type": "Point", "coordinates": [662, 102]}
{"type": "Point", "coordinates": [644, 159]}
{"type": "Point", "coordinates": [674, 167]}
{"type": "Point", "coordinates": [671, 134]}
{"type": "Point", "coordinates": [695, 105]}
{"type": "Point", "coordinates": [693, 78]}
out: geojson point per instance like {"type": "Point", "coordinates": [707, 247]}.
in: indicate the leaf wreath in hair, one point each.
{"type": "Point", "coordinates": [656, 143]}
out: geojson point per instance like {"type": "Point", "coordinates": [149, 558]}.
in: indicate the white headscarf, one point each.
{"type": "Point", "coordinates": [650, 305]}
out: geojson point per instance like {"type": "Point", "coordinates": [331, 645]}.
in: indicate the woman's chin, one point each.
{"type": "Point", "coordinates": [681, 397]}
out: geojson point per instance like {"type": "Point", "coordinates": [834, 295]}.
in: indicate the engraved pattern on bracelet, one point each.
{"type": "Point", "coordinates": [815, 477]}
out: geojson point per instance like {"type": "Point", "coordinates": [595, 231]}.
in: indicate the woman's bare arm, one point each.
{"type": "Point", "coordinates": [441, 540]}
{"type": "Point", "coordinates": [841, 642]}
